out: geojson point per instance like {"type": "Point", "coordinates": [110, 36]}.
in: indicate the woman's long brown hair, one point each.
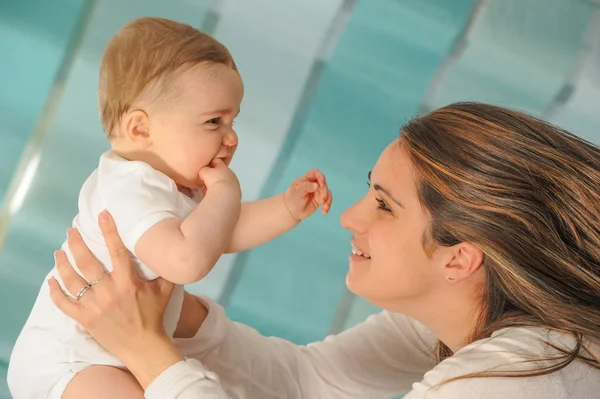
{"type": "Point", "coordinates": [528, 195]}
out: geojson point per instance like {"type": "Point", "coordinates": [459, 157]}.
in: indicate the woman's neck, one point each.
{"type": "Point", "coordinates": [452, 314]}
{"type": "Point", "coordinates": [454, 323]}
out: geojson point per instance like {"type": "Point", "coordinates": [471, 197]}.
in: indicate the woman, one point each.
{"type": "Point", "coordinates": [480, 238]}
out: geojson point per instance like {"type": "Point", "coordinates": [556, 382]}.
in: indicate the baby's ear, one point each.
{"type": "Point", "coordinates": [136, 126]}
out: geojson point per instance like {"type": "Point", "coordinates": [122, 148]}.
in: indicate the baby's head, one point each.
{"type": "Point", "coordinates": [168, 95]}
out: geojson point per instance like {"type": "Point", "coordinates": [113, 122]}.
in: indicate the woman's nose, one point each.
{"type": "Point", "coordinates": [354, 218]}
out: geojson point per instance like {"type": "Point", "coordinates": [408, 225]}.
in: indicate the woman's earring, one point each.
{"type": "Point", "coordinates": [451, 278]}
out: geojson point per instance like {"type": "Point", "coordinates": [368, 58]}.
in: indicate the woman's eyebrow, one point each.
{"type": "Point", "coordinates": [379, 188]}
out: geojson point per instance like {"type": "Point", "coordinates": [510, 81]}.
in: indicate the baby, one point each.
{"type": "Point", "coordinates": [168, 96]}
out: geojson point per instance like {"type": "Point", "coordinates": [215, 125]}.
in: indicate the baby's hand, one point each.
{"type": "Point", "coordinates": [307, 193]}
{"type": "Point", "coordinates": [218, 173]}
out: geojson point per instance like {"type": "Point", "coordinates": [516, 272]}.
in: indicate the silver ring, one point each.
{"type": "Point", "coordinates": [97, 281]}
{"type": "Point", "coordinates": [82, 291]}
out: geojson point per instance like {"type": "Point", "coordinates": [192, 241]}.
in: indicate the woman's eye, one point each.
{"type": "Point", "coordinates": [382, 205]}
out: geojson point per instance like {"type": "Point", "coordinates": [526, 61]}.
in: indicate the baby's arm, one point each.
{"type": "Point", "coordinates": [260, 222]}
{"type": "Point", "coordinates": [263, 220]}
{"type": "Point", "coordinates": [184, 251]}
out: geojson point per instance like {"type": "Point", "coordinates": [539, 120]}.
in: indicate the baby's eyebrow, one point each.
{"type": "Point", "coordinates": [219, 111]}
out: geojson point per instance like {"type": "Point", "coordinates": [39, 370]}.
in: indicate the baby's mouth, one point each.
{"type": "Point", "coordinates": [226, 160]}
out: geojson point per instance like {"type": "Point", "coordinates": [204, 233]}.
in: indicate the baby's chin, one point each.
{"type": "Point", "coordinates": [191, 185]}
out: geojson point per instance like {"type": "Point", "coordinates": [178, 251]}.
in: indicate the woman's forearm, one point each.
{"type": "Point", "coordinates": [160, 368]}
{"type": "Point", "coordinates": [163, 373]}
{"type": "Point", "coordinates": [379, 358]}
{"type": "Point", "coordinates": [150, 357]}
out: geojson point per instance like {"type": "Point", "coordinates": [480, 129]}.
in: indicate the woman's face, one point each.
{"type": "Point", "coordinates": [388, 264]}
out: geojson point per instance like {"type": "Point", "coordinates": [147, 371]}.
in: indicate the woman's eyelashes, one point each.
{"type": "Point", "coordinates": [382, 205]}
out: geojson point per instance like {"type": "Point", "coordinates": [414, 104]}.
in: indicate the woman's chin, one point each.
{"type": "Point", "coordinates": [355, 277]}
{"type": "Point", "coordinates": [350, 283]}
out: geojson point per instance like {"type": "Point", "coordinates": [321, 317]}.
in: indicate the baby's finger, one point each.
{"type": "Point", "coordinates": [316, 175]}
{"type": "Point", "coordinates": [327, 202]}
{"type": "Point", "coordinates": [204, 172]}
{"type": "Point", "coordinates": [309, 187]}
{"type": "Point", "coordinates": [322, 198]}
{"type": "Point", "coordinates": [215, 163]}
{"type": "Point", "coordinates": [320, 178]}
{"type": "Point", "coordinates": [318, 197]}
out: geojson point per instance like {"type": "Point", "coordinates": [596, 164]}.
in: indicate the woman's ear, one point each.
{"type": "Point", "coordinates": [465, 261]}
{"type": "Point", "coordinates": [136, 127]}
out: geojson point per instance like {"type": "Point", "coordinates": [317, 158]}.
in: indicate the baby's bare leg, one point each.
{"type": "Point", "coordinates": [103, 382]}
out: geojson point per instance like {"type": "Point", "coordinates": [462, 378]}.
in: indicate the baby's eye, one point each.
{"type": "Point", "coordinates": [214, 121]}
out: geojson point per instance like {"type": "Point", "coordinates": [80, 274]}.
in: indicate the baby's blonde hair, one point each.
{"type": "Point", "coordinates": [144, 56]}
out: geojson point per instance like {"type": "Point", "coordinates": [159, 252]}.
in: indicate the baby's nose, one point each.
{"type": "Point", "coordinates": [230, 139]}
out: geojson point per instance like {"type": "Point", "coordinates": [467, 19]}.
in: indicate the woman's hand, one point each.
{"type": "Point", "coordinates": [120, 310]}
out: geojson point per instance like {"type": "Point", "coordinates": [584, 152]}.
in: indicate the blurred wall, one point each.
{"type": "Point", "coordinates": [328, 85]}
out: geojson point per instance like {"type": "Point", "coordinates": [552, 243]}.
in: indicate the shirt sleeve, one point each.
{"type": "Point", "coordinates": [138, 197]}
{"type": "Point", "coordinates": [542, 387]}
{"type": "Point", "coordinates": [510, 351]}
{"type": "Point", "coordinates": [379, 358]}
{"type": "Point", "coordinates": [188, 379]}
{"type": "Point", "coordinates": [387, 355]}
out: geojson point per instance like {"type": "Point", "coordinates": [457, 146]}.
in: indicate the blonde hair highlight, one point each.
{"type": "Point", "coordinates": [528, 195]}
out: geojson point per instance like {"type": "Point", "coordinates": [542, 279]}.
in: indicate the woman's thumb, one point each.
{"type": "Point", "coordinates": [165, 286]}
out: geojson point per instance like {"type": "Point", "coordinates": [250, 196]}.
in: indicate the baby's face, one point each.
{"type": "Point", "coordinates": [197, 125]}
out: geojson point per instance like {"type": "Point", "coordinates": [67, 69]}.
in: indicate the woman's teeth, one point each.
{"type": "Point", "coordinates": [359, 253]}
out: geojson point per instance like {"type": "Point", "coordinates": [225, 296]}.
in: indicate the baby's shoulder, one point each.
{"type": "Point", "coordinates": [117, 173]}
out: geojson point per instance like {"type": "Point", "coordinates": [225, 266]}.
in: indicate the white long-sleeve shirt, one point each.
{"type": "Point", "coordinates": [386, 356]}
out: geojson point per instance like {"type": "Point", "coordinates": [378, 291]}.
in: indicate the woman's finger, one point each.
{"type": "Point", "coordinates": [164, 286]}
{"type": "Point", "coordinates": [119, 254]}
{"type": "Point", "coordinates": [66, 304]}
{"type": "Point", "coordinates": [86, 262]}
{"type": "Point", "coordinates": [72, 281]}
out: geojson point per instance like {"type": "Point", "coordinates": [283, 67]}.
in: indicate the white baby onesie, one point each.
{"type": "Point", "coordinates": [52, 348]}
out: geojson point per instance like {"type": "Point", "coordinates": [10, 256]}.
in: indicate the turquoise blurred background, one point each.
{"type": "Point", "coordinates": [328, 85]}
